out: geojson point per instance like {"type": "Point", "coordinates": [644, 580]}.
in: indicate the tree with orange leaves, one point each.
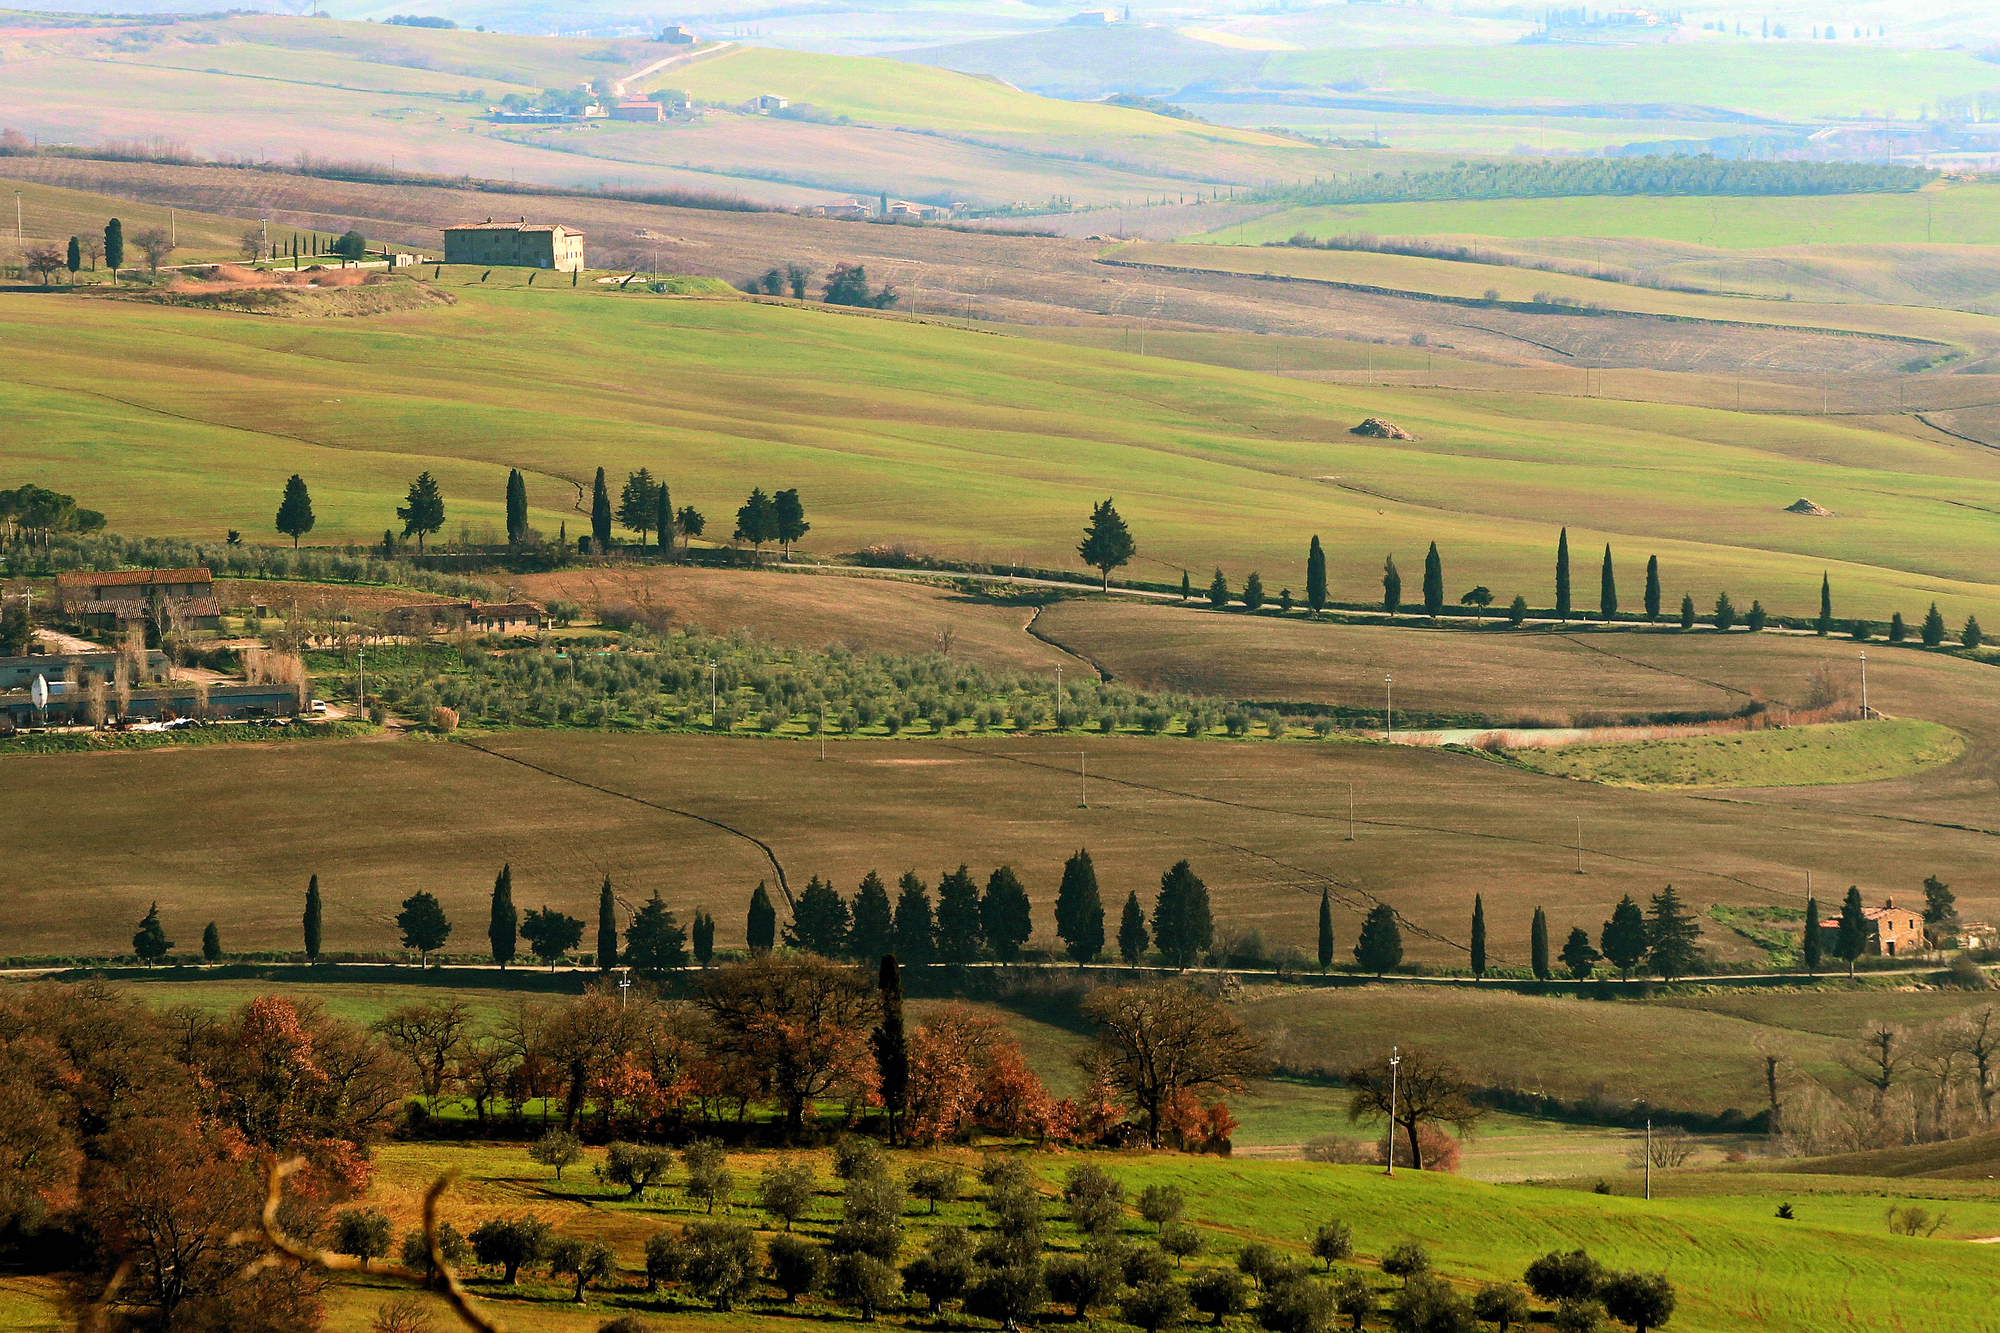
{"type": "Point", "coordinates": [803, 1021]}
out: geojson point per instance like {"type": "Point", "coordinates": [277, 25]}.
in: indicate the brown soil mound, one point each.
{"type": "Point", "coordinates": [1379, 429]}
{"type": "Point", "coordinates": [1805, 506]}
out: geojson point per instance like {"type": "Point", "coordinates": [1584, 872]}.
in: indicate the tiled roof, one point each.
{"type": "Point", "coordinates": [120, 578]}
{"type": "Point", "coordinates": [514, 226]}
{"type": "Point", "coordinates": [133, 607]}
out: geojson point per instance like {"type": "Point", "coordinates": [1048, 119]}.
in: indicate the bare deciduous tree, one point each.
{"type": "Point", "coordinates": [1157, 1040]}
{"type": "Point", "coordinates": [1427, 1091]}
{"type": "Point", "coordinates": [155, 244]}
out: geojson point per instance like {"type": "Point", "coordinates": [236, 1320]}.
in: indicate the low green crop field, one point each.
{"type": "Point", "coordinates": [1794, 757]}
{"type": "Point", "coordinates": [1955, 214]}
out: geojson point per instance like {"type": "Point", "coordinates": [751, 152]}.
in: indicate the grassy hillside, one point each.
{"type": "Point", "coordinates": [1211, 466]}
{"type": "Point", "coordinates": [1954, 214]}
{"type": "Point", "coordinates": [52, 214]}
{"type": "Point", "coordinates": [1799, 757]}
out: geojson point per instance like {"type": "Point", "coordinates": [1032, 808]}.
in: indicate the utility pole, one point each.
{"type": "Point", "coordinates": [1350, 812]}
{"type": "Point", "coordinates": [1395, 1063]}
{"type": "Point", "coordinates": [711, 691]}
{"type": "Point", "coordinates": [1864, 687]}
{"type": "Point", "coordinates": [1389, 704]}
{"type": "Point", "coordinates": [1649, 1157]}
{"type": "Point", "coordinates": [1579, 844]}
{"type": "Point", "coordinates": [18, 242]}
{"type": "Point", "coordinates": [822, 731]}
{"type": "Point", "coordinates": [361, 692]}
{"type": "Point", "coordinates": [1083, 780]}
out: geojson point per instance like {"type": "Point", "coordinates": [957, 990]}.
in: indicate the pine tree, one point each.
{"type": "Point", "coordinates": [600, 515]}
{"type": "Point", "coordinates": [1562, 576]}
{"type": "Point", "coordinates": [1671, 932]}
{"type": "Point", "coordinates": [760, 929]}
{"type": "Point", "coordinates": [1972, 636]}
{"type": "Point", "coordinates": [1577, 955]}
{"type": "Point", "coordinates": [517, 508]}
{"type": "Point", "coordinates": [1607, 588]}
{"type": "Point", "coordinates": [891, 1046]}
{"type": "Point", "coordinates": [422, 510]}
{"type": "Point", "coordinates": [1107, 543]}
{"type": "Point", "coordinates": [1623, 940]}
{"type": "Point", "coordinates": [916, 933]}
{"type": "Point", "coordinates": [1824, 625]}
{"type": "Point", "coordinates": [819, 920]}
{"type": "Point", "coordinates": [1253, 591]}
{"type": "Point", "coordinates": [1325, 928]}
{"type": "Point", "coordinates": [150, 943]}
{"type": "Point", "coordinates": [1687, 610]}
{"type": "Point", "coordinates": [1538, 946]}
{"type": "Point", "coordinates": [1898, 631]}
{"type": "Point", "coordinates": [704, 936]}
{"type": "Point", "coordinates": [654, 942]}
{"type": "Point", "coordinates": [872, 931]}
{"type": "Point", "coordinates": [1933, 627]}
{"type": "Point", "coordinates": [1392, 586]}
{"type": "Point", "coordinates": [1005, 916]}
{"type": "Point", "coordinates": [1851, 940]}
{"type": "Point", "coordinates": [1316, 578]}
{"type": "Point", "coordinates": [1433, 583]}
{"type": "Point", "coordinates": [1132, 938]}
{"type": "Point", "coordinates": [312, 920]}
{"type": "Point", "coordinates": [958, 930]}
{"type": "Point", "coordinates": [1478, 936]}
{"type": "Point", "coordinates": [663, 516]}
{"type": "Point", "coordinates": [607, 928]}
{"type": "Point", "coordinates": [1183, 926]}
{"type": "Point", "coordinates": [788, 519]}
{"type": "Point", "coordinates": [423, 925]}
{"type": "Point", "coordinates": [295, 511]}
{"type": "Point", "coordinates": [1653, 588]}
{"type": "Point", "coordinates": [1079, 909]}
{"type": "Point", "coordinates": [1812, 939]}
{"type": "Point", "coordinates": [211, 943]}
{"type": "Point", "coordinates": [1725, 612]}
{"type": "Point", "coordinates": [1218, 592]}
{"type": "Point", "coordinates": [1380, 946]}
{"type": "Point", "coordinates": [503, 926]}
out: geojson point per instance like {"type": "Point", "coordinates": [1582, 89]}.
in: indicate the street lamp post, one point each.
{"type": "Point", "coordinates": [1395, 1064]}
{"type": "Point", "coordinates": [1389, 704]}
{"type": "Point", "coordinates": [1864, 687]}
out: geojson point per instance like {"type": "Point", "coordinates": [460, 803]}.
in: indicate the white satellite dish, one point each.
{"type": "Point", "coordinates": [39, 692]}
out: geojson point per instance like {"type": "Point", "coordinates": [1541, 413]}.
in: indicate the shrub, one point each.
{"type": "Point", "coordinates": [1142, 1265]}
{"type": "Point", "coordinates": [998, 1171]}
{"type": "Point", "coordinates": [444, 720]}
{"type": "Point", "coordinates": [1557, 1276]}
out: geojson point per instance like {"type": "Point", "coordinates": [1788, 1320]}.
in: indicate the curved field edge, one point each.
{"type": "Point", "coordinates": [1810, 756]}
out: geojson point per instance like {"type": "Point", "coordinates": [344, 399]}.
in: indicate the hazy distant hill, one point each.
{"type": "Point", "coordinates": [1091, 62]}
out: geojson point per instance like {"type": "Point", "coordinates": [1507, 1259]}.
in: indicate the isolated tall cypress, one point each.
{"type": "Point", "coordinates": [1315, 577]}
{"type": "Point", "coordinates": [114, 246]}
{"type": "Point", "coordinates": [1562, 576]}
{"type": "Point", "coordinates": [1325, 928]}
{"type": "Point", "coordinates": [1479, 936]}
{"type": "Point", "coordinates": [1079, 909]}
{"type": "Point", "coordinates": [311, 918]}
{"type": "Point", "coordinates": [663, 516]}
{"type": "Point", "coordinates": [1825, 622]}
{"type": "Point", "coordinates": [1852, 937]}
{"type": "Point", "coordinates": [892, 1048]}
{"type": "Point", "coordinates": [1392, 586]}
{"type": "Point", "coordinates": [1809, 943]}
{"type": "Point", "coordinates": [1132, 938]}
{"type": "Point", "coordinates": [607, 928]}
{"type": "Point", "coordinates": [600, 515]}
{"type": "Point", "coordinates": [1652, 587]}
{"type": "Point", "coordinates": [211, 938]}
{"type": "Point", "coordinates": [1433, 583]}
{"type": "Point", "coordinates": [760, 928]}
{"type": "Point", "coordinates": [503, 926]}
{"type": "Point", "coordinates": [1607, 588]}
{"type": "Point", "coordinates": [1538, 946]}
{"type": "Point", "coordinates": [74, 259]}
{"type": "Point", "coordinates": [703, 933]}
{"type": "Point", "coordinates": [517, 508]}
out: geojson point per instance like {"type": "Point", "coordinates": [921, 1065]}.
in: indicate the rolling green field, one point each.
{"type": "Point", "coordinates": [1797, 757]}
{"type": "Point", "coordinates": [1952, 214]}
{"type": "Point", "coordinates": [1211, 466]}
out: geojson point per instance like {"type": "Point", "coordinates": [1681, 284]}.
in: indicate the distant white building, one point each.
{"type": "Point", "coordinates": [1091, 18]}
{"type": "Point", "coordinates": [766, 103]}
{"type": "Point", "coordinates": [675, 35]}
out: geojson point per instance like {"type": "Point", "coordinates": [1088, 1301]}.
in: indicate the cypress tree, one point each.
{"type": "Point", "coordinates": [872, 929]}
{"type": "Point", "coordinates": [1433, 583]}
{"type": "Point", "coordinates": [1652, 587]}
{"type": "Point", "coordinates": [211, 938]}
{"type": "Point", "coordinates": [1079, 909]}
{"type": "Point", "coordinates": [1607, 588]}
{"type": "Point", "coordinates": [1852, 938]}
{"type": "Point", "coordinates": [663, 516]}
{"type": "Point", "coordinates": [503, 927]}
{"type": "Point", "coordinates": [892, 1048]}
{"type": "Point", "coordinates": [1392, 586]}
{"type": "Point", "coordinates": [819, 920]}
{"type": "Point", "coordinates": [1623, 939]}
{"type": "Point", "coordinates": [1898, 631]}
{"type": "Point", "coordinates": [1933, 627]}
{"type": "Point", "coordinates": [1809, 943]}
{"type": "Point", "coordinates": [958, 925]}
{"type": "Point", "coordinates": [1187, 588]}
{"type": "Point", "coordinates": [1218, 591]}
{"type": "Point", "coordinates": [1253, 591]}
{"type": "Point", "coordinates": [916, 934]}
{"type": "Point", "coordinates": [74, 259]}
{"type": "Point", "coordinates": [295, 510]}
{"type": "Point", "coordinates": [1687, 610]}
{"type": "Point", "coordinates": [1315, 578]}
{"type": "Point", "coordinates": [1538, 946]}
{"type": "Point", "coordinates": [1380, 946]}
{"type": "Point", "coordinates": [114, 246]}
{"type": "Point", "coordinates": [1005, 915]}
{"type": "Point", "coordinates": [1562, 576]}
{"type": "Point", "coordinates": [760, 930]}
{"type": "Point", "coordinates": [607, 928]}
{"type": "Point", "coordinates": [1325, 928]}
{"type": "Point", "coordinates": [703, 931]}
{"type": "Point", "coordinates": [1183, 926]}
{"type": "Point", "coordinates": [1479, 936]}
{"type": "Point", "coordinates": [1972, 636]}
{"type": "Point", "coordinates": [517, 508]}
{"type": "Point", "coordinates": [600, 515]}
{"type": "Point", "coordinates": [1132, 938]}
{"type": "Point", "coordinates": [312, 920]}
{"type": "Point", "coordinates": [1825, 622]}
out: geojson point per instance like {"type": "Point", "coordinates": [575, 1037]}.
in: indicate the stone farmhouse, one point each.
{"type": "Point", "coordinates": [120, 598]}
{"type": "Point", "coordinates": [522, 244]}
{"type": "Point", "coordinates": [1892, 930]}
